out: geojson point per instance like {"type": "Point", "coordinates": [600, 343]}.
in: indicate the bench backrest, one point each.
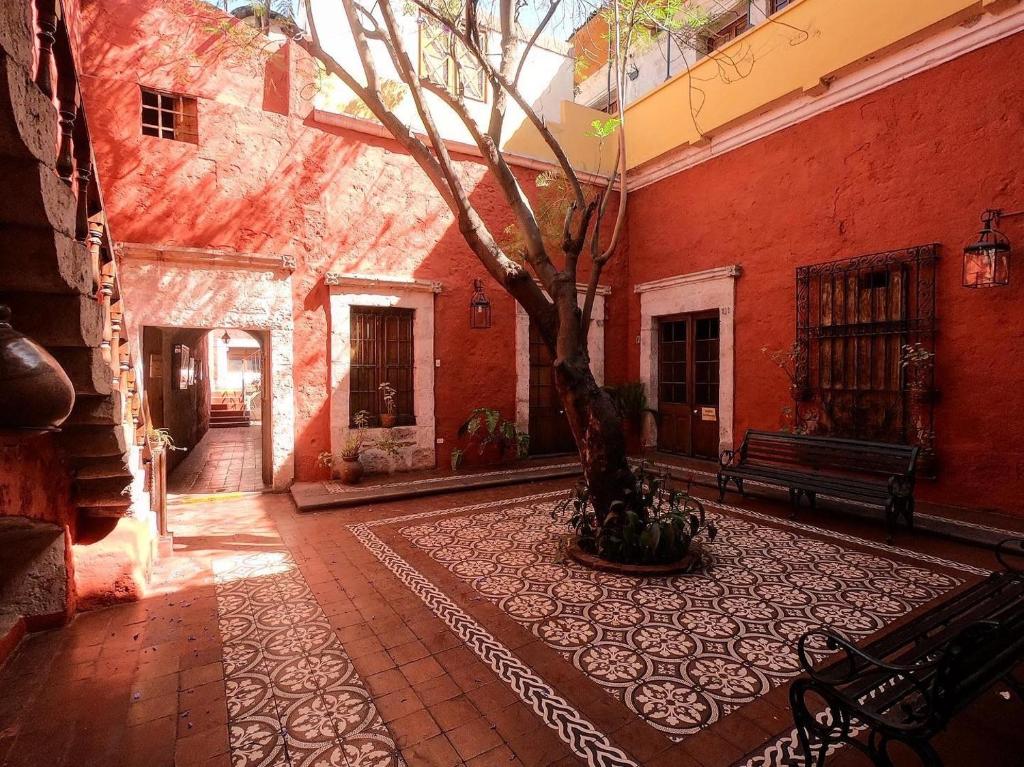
{"type": "Point", "coordinates": [831, 455]}
{"type": "Point", "coordinates": [982, 652]}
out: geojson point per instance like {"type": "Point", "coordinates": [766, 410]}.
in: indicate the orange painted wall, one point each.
{"type": "Point", "coordinates": [914, 163]}
{"type": "Point", "coordinates": [266, 179]}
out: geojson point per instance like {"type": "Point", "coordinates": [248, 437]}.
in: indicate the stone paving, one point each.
{"type": "Point", "coordinates": [225, 461]}
{"type": "Point", "coordinates": [447, 631]}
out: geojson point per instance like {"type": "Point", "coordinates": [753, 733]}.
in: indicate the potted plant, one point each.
{"type": "Point", "coordinates": [631, 400]}
{"type": "Point", "coordinates": [487, 427]}
{"type": "Point", "coordinates": [666, 531]}
{"type": "Point", "coordinates": [348, 467]}
{"type": "Point", "coordinates": [389, 417]}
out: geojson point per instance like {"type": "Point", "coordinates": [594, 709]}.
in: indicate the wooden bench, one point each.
{"type": "Point", "coordinates": [874, 473]}
{"type": "Point", "coordinates": [907, 685]}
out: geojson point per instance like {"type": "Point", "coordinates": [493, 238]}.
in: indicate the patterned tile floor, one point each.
{"type": "Point", "coordinates": [680, 652]}
{"type": "Point", "coordinates": [369, 636]}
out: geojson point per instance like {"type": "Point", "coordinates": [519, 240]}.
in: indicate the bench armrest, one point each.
{"type": "Point", "coordinates": [901, 485]}
{"type": "Point", "coordinates": [727, 458]}
{"type": "Point", "coordinates": [1012, 547]}
{"type": "Point", "coordinates": [852, 663]}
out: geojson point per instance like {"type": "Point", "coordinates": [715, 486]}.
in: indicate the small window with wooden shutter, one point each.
{"type": "Point", "coordinates": [381, 351]}
{"type": "Point", "coordinates": [168, 115]}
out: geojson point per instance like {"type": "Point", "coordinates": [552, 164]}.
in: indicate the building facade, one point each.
{"type": "Point", "coordinates": [788, 243]}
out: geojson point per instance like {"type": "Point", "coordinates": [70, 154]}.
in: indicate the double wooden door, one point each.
{"type": "Point", "coordinates": [549, 428]}
{"type": "Point", "coordinates": [688, 350]}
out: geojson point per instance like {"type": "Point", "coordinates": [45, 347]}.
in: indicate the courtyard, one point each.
{"type": "Point", "coordinates": [617, 383]}
{"type": "Point", "coordinates": [450, 630]}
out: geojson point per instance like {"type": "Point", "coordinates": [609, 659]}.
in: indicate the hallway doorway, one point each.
{"type": "Point", "coordinates": [206, 394]}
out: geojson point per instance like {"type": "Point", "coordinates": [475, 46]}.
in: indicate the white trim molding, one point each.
{"type": "Point", "coordinates": [230, 259]}
{"type": "Point", "coordinates": [695, 292]}
{"type": "Point", "coordinates": [595, 345]}
{"type": "Point", "coordinates": [920, 57]}
{"type": "Point", "coordinates": [347, 291]}
{"type": "Point", "coordinates": [379, 283]}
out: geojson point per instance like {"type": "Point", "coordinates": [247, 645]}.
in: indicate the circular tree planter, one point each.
{"type": "Point", "coordinates": [697, 559]}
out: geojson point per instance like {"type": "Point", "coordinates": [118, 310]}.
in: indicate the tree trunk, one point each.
{"type": "Point", "coordinates": [600, 439]}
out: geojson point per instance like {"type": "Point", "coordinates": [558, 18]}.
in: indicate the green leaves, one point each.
{"type": "Point", "coordinates": [651, 524]}
{"type": "Point", "coordinates": [603, 128]}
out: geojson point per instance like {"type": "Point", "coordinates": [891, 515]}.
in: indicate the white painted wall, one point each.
{"type": "Point", "coordinates": [546, 81]}
{"type": "Point", "coordinates": [661, 61]}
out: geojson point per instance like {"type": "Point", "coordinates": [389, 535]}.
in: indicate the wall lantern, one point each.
{"type": "Point", "coordinates": [226, 338]}
{"type": "Point", "coordinates": [633, 72]}
{"type": "Point", "coordinates": [479, 308]}
{"type": "Point", "coordinates": [987, 261]}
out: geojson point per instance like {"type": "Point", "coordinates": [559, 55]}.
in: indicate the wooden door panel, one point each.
{"type": "Point", "coordinates": [673, 384]}
{"type": "Point", "coordinates": [549, 427]}
{"type": "Point", "coordinates": [688, 384]}
{"type": "Point", "coordinates": [705, 386]}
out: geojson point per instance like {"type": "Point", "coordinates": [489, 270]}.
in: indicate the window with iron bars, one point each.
{"type": "Point", "coordinates": [729, 31]}
{"type": "Point", "coordinates": [446, 62]}
{"type": "Point", "coordinates": [774, 6]}
{"type": "Point", "coordinates": [167, 115]}
{"type": "Point", "coordinates": [381, 351]}
{"type": "Point", "coordinates": [854, 320]}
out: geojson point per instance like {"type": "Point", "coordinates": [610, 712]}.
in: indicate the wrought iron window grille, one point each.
{"type": "Point", "coordinates": [855, 320]}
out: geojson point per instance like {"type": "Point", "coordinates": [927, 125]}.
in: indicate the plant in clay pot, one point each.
{"type": "Point", "coordinates": [347, 467]}
{"type": "Point", "coordinates": [663, 528]}
{"type": "Point", "coordinates": [389, 416]}
{"type": "Point", "coordinates": [487, 427]}
{"type": "Point", "coordinates": [631, 400]}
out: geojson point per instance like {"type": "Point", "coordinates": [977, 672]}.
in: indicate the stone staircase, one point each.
{"type": "Point", "coordinates": [227, 410]}
{"type": "Point", "coordinates": [58, 266]}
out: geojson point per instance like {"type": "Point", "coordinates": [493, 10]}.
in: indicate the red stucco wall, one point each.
{"type": "Point", "coordinates": [264, 180]}
{"type": "Point", "coordinates": [912, 164]}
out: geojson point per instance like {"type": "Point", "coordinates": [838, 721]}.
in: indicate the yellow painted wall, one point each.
{"type": "Point", "coordinates": [572, 132]}
{"type": "Point", "coordinates": [812, 41]}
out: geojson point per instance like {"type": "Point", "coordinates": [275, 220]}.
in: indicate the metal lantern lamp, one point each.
{"type": "Point", "coordinates": [479, 308]}
{"type": "Point", "coordinates": [987, 261]}
{"type": "Point", "coordinates": [226, 338]}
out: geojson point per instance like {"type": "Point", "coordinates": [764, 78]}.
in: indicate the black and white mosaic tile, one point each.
{"type": "Point", "coordinates": [294, 698]}
{"type": "Point", "coordinates": [680, 652]}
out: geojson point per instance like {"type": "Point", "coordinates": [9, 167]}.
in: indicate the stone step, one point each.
{"type": "Point", "coordinates": [56, 320]}
{"type": "Point", "coordinates": [229, 424]}
{"type": "Point", "coordinates": [97, 410]}
{"type": "Point", "coordinates": [88, 371]}
{"type": "Point", "coordinates": [28, 120]}
{"type": "Point", "coordinates": [314, 496]}
{"type": "Point", "coordinates": [35, 197]}
{"type": "Point", "coordinates": [108, 492]}
{"type": "Point", "coordinates": [93, 441]}
{"type": "Point", "coordinates": [102, 468]}
{"type": "Point", "coordinates": [59, 264]}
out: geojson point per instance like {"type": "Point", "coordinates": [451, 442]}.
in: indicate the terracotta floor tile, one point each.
{"type": "Point", "coordinates": [414, 728]}
{"type": "Point", "coordinates": [397, 704]}
{"type": "Point", "coordinates": [148, 709]}
{"type": "Point", "coordinates": [474, 738]}
{"type": "Point", "coordinates": [433, 752]}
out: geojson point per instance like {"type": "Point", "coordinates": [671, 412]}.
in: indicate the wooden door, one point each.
{"type": "Point", "coordinates": [688, 349]}
{"type": "Point", "coordinates": [549, 428]}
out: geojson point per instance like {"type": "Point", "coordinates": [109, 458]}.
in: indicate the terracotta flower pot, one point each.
{"type": "Point", "coordinates": [349, 472]}
{"type": "Point", "coordinates": [388, 420]}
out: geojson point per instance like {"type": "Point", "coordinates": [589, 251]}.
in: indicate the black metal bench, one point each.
{"type": "Point", "coordinates": [907, 685]}
{"type": "Point", "coordinates": [875, 473]}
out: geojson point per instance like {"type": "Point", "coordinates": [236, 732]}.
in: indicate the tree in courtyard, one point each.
{"type": "Point", "coordinates": [568, 228]}
{"type": "Point", "coordinates": [574, 230]}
